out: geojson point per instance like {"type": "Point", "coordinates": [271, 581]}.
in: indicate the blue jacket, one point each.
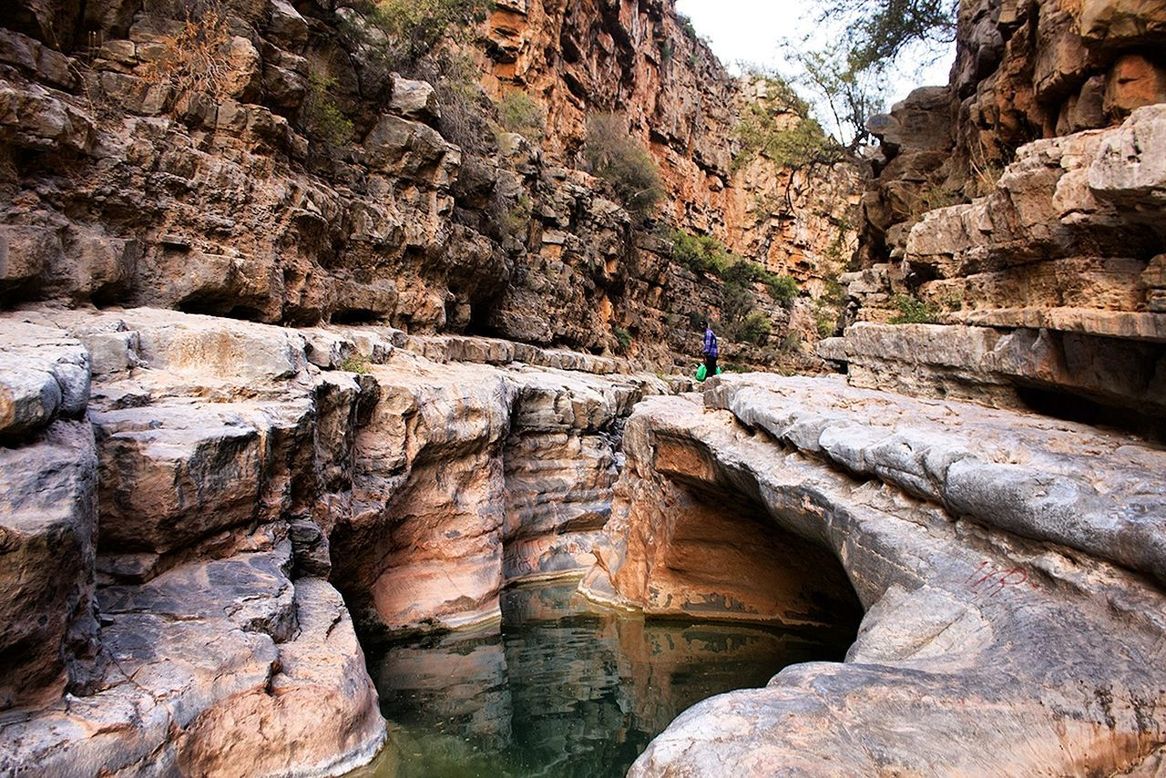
{"type": "Point", "coordinates": [710, 342]}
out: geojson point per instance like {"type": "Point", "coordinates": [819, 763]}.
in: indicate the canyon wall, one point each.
{"type": "Point", "coordinates": [297, 181]}
{"type": "Point", "coordinates": [1017, 219]}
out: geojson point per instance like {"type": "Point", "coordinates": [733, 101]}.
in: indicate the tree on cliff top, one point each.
{"type": "Point", "coordinates": [878, 31]}
{"type": "Point", "coordinates": [847, 73]}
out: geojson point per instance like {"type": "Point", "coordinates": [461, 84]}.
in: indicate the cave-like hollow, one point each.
{"type": "Point", "coordinates": [721, 555]}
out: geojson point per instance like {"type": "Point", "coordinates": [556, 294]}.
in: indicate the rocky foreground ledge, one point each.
{"type": "Point", "coordinates": [200, 515]}
{"type": "Point", "coordinates": [1010, 568]}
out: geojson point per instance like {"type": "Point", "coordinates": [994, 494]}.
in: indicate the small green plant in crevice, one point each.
{"type": "Point", "coordinates": [733, 367]}
{"type": "Point", "coordinates": [667, 50]}
{"type": "Point", "coordinates": [323, 119]}
{"type": "Point", "coordinates": [783, 289]}
{"type": "Point", "coordinates": [826, 320]}
{"type": "Point", "coordinates": [753, 328]}
{"type": "Point", "coordinates": [513, 219]}
{"type": "Point", "coordinates": [912, 310]}
{"type": "Point", "coordinates": [620, 160]}
{"type": "Point", "coordinates": [623, 339]}
{"type": "Point", "coordinates": [519, 112]}
{"type": "Point", "coordinates": [935, 197]}
{"type": "Point", "coordinates": [356, 363]}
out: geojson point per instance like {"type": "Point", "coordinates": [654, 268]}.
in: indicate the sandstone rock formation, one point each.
{"type": "Point", "coordinates": [243, 474]}
{"type": "Point", "coordinates": [299, 182]}
{"type": "Point", "coordinates": [1024, 71]}
{"type": "Point", "coordinates": [1055, 271]}
{"type": "Point", "coordinates": [997, 556]}
{"type": "Point", "coordinates": [249, 411]}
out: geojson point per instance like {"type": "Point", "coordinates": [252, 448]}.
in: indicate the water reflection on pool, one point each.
{"type": "Point", "coordinates": [565, 690]}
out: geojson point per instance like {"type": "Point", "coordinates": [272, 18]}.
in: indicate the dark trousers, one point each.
{"type": "Point", "coordinates": [710, 364]}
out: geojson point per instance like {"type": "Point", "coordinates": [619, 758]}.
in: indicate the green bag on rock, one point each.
{"type": "Point", "coordinates": [702, 372]}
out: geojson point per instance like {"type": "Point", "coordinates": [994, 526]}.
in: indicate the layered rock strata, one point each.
{"type": "Point", "coordinates": [297, 182]}
{"type": "Point", "coordinates": [1010, 568]}
{"type": "Point", "coordinates": [1056, 272]}
{"type": "Point", "coordinates": [1023, 71]}
{"type": "Point", "coordinates": [245, 475]}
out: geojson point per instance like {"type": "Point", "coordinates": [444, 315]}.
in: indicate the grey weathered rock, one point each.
{"type": "Point", "coordinates": [197, 652]}
{"type": "Point", "coordinates": [995, 367]}
{"type": "Point", "coordinates": [1128, 168]}
{"type": "Point", "coordinates": [962, 615]}
{"type": "Point", "coordinates": [48, 523]}
{"type": "Point", "coordinates": [43, 373]}
{"type": "Point", "coordinates": [414, 99]}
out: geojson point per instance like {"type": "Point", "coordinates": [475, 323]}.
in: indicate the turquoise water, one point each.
{"type": "Point", "coordinates": [566, 690]}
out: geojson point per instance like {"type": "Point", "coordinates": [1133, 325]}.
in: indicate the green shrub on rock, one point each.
{"type": "Point", "coordinates": [912, 310]}
{"type": "Point", "coordinates": [521, 113]}
{"type": "Point", "coordinates": [620, 160]}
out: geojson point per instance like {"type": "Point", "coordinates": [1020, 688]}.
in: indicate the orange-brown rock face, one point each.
{"type": "Point", "coordinates": [303, 183]}
{"type": "Point", "coordinates": [703, 536]}
{"type": "Point", "coordinates": [578, 57]}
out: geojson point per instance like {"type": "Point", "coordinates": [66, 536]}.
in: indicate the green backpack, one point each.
{"type": "Point", "coordinates": [702, 372]}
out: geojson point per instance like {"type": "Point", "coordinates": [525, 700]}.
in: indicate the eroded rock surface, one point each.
{"type": "Point", "coordinates": [245, 475]}
{"type": "Point", "coordinates": [1050, 281]}
{"type": "Point", "coordinates": [997, 638]}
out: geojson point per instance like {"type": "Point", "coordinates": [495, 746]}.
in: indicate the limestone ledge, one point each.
{"type": "Point", "coordinates": [1005, 631]}
{"type": "Point", "coordinates": [994, 365]}
{"type": "Point", "coordinates": [1068, 239]}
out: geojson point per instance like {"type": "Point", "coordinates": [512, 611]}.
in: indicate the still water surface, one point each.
{"type": "Point", "coordinates": [566, 690]}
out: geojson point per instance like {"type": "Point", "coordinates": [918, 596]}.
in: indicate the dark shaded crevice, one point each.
{"type": "Point", "coordinates": [356, 316]}
{"type": "Point", "coordinates": [1083, 410]}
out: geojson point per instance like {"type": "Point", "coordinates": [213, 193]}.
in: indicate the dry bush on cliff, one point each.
{"type": "Point", "coordinates": [193, 60]}
{"type": "Point", "coordinates": [616, 157]}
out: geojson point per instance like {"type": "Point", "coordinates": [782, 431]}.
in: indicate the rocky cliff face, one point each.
{"type": "Point", "coordinates": [255, 160]}
{"type": "Point", "coordinates": [1024, 200]}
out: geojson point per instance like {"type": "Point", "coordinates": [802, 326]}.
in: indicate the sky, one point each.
{"type": "Point", "coordinates": [749, 31]}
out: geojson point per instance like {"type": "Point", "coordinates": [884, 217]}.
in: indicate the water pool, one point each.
{"type": "Point", "coordinates": [564, 689]}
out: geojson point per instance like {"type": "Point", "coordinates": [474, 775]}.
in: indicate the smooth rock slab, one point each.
{"type": "Point", "coordinates": [1041, 478]}
{"type": "Point", "coordinates": [980, 652]}
{"type": "Point", "coordinates": [222, 667]}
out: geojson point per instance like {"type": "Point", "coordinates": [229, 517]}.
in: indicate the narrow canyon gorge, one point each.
{"type": "Point", "coordinates": [348, 426]}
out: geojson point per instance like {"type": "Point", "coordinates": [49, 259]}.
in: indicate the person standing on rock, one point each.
{"type": "Point", "coordinates": [710, 350]}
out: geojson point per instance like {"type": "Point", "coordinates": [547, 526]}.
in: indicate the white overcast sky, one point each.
{"type": "Point", "coordinates": [750, 30]}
